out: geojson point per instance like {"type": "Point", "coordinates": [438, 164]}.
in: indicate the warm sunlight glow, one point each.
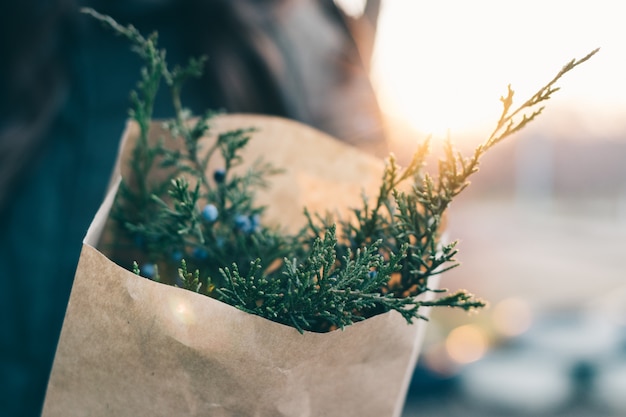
{"type": "Point", "coordinates": [466, 344]}
{"type": "Point", "coordinates": [181, 311]}
{"type": "Point", "coordinates": [353, 8]}
{"type": "Point", "coordinates": [442, 65]}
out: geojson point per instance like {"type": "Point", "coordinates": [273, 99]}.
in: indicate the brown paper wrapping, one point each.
{"type": "Point", "coordinates": [133, 347]}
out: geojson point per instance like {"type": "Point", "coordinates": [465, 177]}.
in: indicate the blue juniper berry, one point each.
{"type": "Point", "coordinates": [243, 223]}
{"type": "Point", "coordinates": [255, 222]}
{"type": "Point", "coordinates": [200, 254]}
{"type": "Point", "coordinates": [177, 256]}
{"type": "Point", "coordinates": [210, 213]}
{"type": "Point", "coordinates": [148, 270]}
{"type": "Point", "coordinates": [219, 175]}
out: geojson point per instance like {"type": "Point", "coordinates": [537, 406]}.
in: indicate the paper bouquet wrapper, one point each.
{"type": "Point", "coordinates": [133, 347]}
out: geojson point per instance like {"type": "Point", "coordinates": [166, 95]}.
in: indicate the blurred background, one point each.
{"type": "Point", "coordinates": [543, 225]}
{"type": "Point", "coordinates": [541, 229]}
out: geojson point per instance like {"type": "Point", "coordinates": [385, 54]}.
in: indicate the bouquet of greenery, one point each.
{"type": "Point", "coordinates": [286, 297]}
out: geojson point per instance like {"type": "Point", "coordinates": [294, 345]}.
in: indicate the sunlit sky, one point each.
{"type": "Point", "coordinates": [442, 65]}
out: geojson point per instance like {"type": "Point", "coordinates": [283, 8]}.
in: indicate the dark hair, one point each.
{"type": "Point", "coordinates": [32, 80]}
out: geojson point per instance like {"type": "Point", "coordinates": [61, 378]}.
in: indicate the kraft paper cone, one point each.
{"type": "Point", "coordinates": [133, 347]}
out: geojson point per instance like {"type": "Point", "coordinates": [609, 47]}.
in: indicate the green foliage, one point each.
{"type": "Point", "coordinates": [335, 271]}
{"type": "Point", "coordinates": [189, 280]}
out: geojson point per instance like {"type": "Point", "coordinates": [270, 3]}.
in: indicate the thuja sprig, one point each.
{"type": "Point", "coordinates": [455, 169]}
{"type": "Point", "coordinates": [190, 280]}
{"type": "Point", "coordinates": [318, 293]}
{"type": "Point", "coordinates": [509, 123]}
{"type": "Point", "coordinates": [413, 219]}
{"type": "Point", "coordinates": [171, 219]}
{"type": "Point", "coordinates": [142, 103]}
{"type": "Point", "coordinates": [326, 276]}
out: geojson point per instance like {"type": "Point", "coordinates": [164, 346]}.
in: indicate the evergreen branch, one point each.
{"type": "Point", "coordinates": [543, 94]}
{"type": "Point", "coordinates": [316, 280]}
{"type": "Point", "coordinates": [189, 281]}
{"type": "Point", "coordinates": [460, 299]}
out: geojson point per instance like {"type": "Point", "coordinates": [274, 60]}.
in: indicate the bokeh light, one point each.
{"type": "Point", "coordinates": [466, 344]}
{"type": "Point", "coordinates": [512, 316]}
